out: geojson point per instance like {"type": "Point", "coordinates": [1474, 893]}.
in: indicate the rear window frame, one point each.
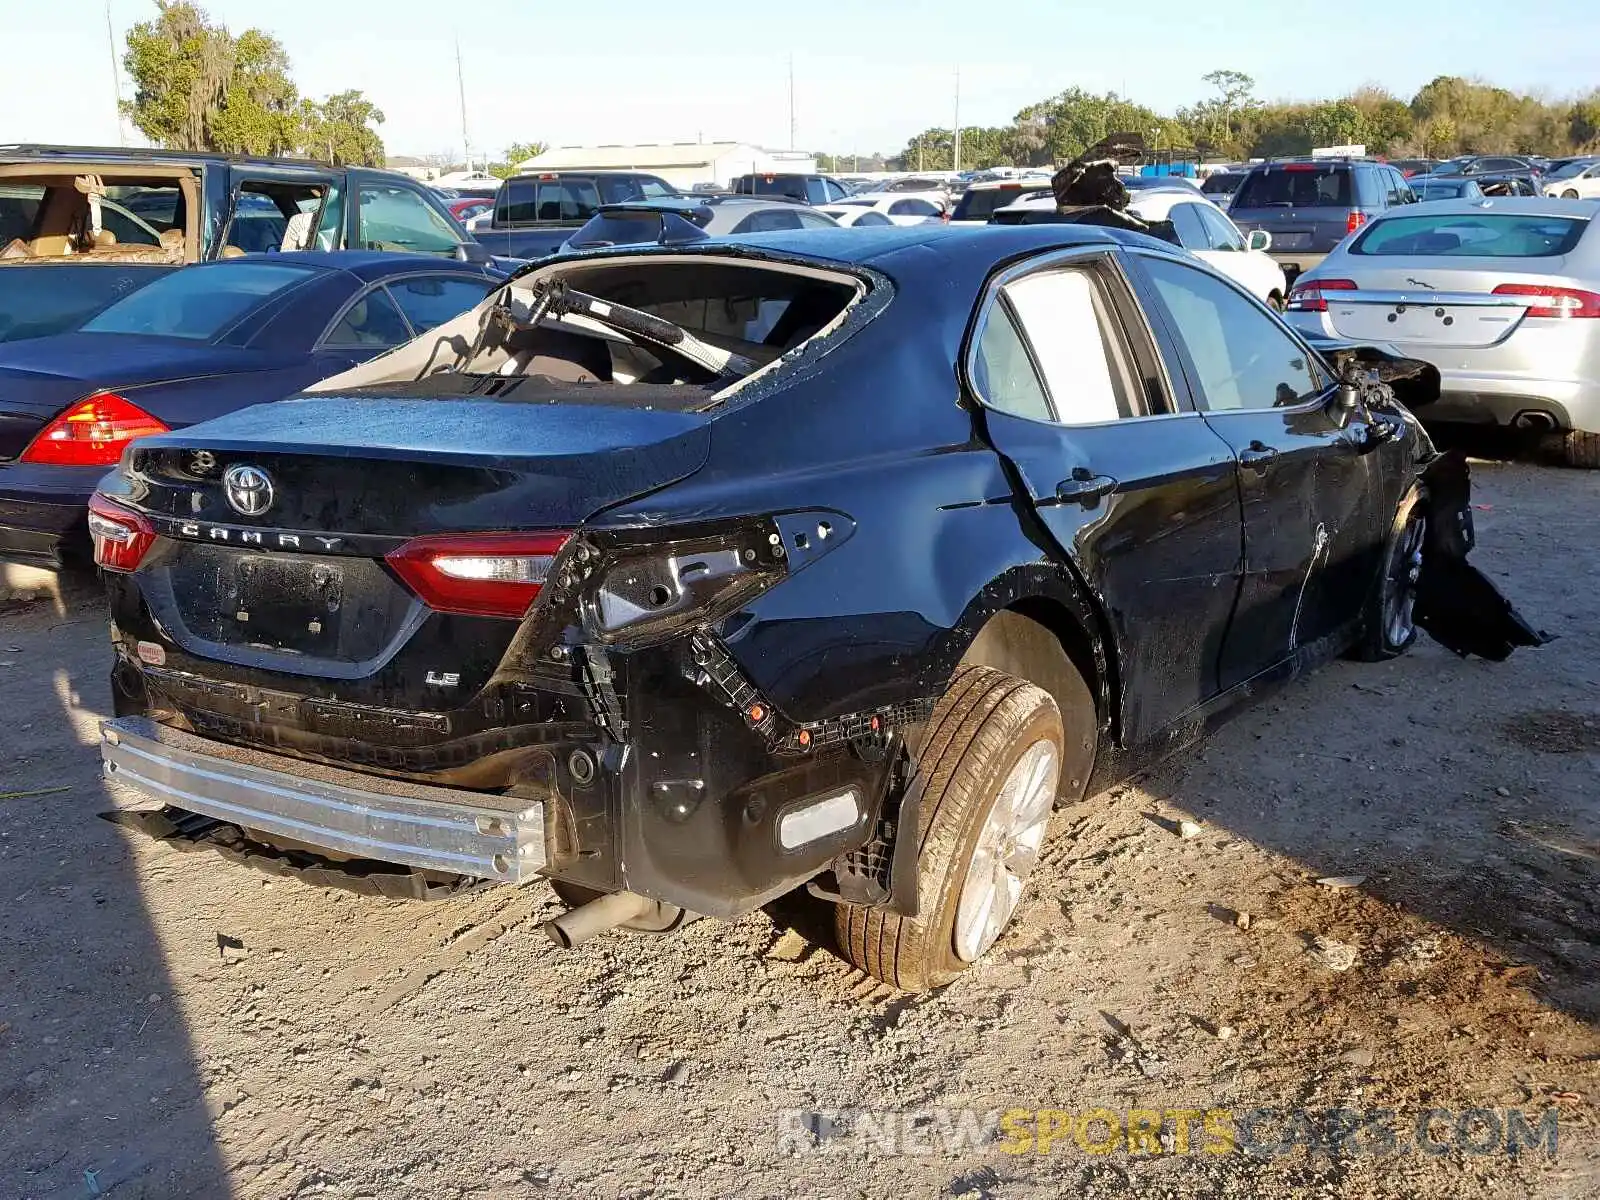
{"type": "Point", "coordinates": [1243, 200]}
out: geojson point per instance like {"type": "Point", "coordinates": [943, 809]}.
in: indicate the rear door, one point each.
{"type": "Point", "coordinates": [1136, 493]}
{"type": "Point", "coordinates": [1316, 500]}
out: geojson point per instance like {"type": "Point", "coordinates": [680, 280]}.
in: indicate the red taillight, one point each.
{"type": "Point", "coordinates": [120, 535]}
{"type": "Point", "coordinates": [1308, 296]}
{"type": "Point", "coordinates": [92, 433]}
{"type": "Point", "coordinates": [1354, 221]}
{"type": "Point", "coordinates": [478, 574]}
{"type": "Point", "coordinates": [1557, 302]}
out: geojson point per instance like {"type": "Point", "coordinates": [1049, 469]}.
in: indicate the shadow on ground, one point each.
{"type": "Point", "coordinates": [100, 1091]}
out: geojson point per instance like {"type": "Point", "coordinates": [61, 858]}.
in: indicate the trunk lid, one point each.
{"type": "Point", "coordinates": [1426, 305]}
{"type": "Point", "coordinates": [300, 587]}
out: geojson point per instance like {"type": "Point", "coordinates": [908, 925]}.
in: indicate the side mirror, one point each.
{"type": "Point", "coordinates": [472, 252]}
{"type": "Point", "coordinates": [1259, 239]}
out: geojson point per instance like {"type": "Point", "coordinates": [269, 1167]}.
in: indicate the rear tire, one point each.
{"type": "Point", "coordinates": [1388, 629]}
{"type": "Point", "coordinates": [989, 775]}
{"type": "Point", "coordinates": [1577, 448]}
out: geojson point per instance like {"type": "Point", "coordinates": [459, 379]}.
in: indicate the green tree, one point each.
{"type": "Point", "coordinates": [1336, 123]}
{"type": "Point", "coordinates": [180, 65]}
{"type": "Point", "coordinates": [516, 154]}
{"type": "Point", "coordinates": [1583, 122]}
{"type": "Point", "coordinates": [340, 130]}
{"type": "Point", "coordinates": [260, 111]}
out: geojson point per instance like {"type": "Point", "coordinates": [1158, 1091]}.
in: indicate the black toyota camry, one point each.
{"type": "Point", "coordinates": [688, 577]}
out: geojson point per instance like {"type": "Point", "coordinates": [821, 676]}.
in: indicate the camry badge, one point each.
{"type": "Point", "coordinates": [248, 489]}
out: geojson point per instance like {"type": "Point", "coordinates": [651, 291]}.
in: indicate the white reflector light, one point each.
{"type": "Point", "coordinates": [818, 819]}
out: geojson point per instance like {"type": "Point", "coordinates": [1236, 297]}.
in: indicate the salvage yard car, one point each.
{"type": "Point", "coordinates": [192, 345]}
{"type": "Point", "coordinates": [1502, 295]}
{"type": "Point", "coordinates": [105, 221]}
{"type": "Point", "coordinates": [689, 576]}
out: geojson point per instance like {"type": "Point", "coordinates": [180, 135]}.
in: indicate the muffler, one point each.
{"type": "Point", "coordinates": [579, 924]}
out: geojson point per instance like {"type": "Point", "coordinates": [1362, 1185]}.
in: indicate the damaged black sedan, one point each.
{"type": "Point", "coordinates": [687, 577]}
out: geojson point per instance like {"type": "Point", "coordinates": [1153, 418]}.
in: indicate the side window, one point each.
{"type": "Point", "coordinates": [811, 220]}
{"type": "Point", "coordinates": [1244, 359]}
{"type": "Point", "coordinates": [653, 189]}
{"type": "Point", "coordinates": [516, 203]}
{"type": "Point", "coordinates": [912, 208]}
{"type": "Point", "coordinates": [429, 300]}
{"type": "Point", "coordinates": [330, 224]}
{"type": "Point", "coordinates": [270, 216]}
{"type": "Point", "coordinates": [1003, 371]}
{"type": "Point", "coordinates": [1192, 233]}
{"type": "Point", "coordinates": [768, 221]}
{"type": "Point", "coordinates": [396, 218]}
{"type": "Point", "coordinates": [835, 191]}
{"type": "Point", "coordinates": [1223, 233]}
{"type": "Point", "coordinates": [1071, 330]}
{"type": "Point", "coordinates": [816, 191]}
{"type": "Point", "coordinates": [872, 218]}
{"type": "Point", "coordinates": [567, 200]}
{"type": "Point", "coordinates": [371, 320]}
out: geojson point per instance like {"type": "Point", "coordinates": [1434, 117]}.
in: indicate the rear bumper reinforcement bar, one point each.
{"type": "Point", "coordinates": [477, 834]}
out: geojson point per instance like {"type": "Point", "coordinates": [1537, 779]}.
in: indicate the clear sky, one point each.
{"type": "Point", "coordinates": [868, 73]}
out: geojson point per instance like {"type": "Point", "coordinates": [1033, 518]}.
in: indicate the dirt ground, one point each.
{"type": "Point", "coordinates": [172, 1025]}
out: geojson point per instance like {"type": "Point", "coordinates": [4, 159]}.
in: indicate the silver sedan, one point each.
{"type": "Point", "coordinates": [1502, 295]}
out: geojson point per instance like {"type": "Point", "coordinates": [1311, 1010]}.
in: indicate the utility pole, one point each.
{"type": "Point", "coordinates": [116, 79]}
{"type": "Point", "coordinates": [461, 87]}
{"type": "Point", "coordinates": [957, 159]}
{"type": "Point", "coordinates": [791, 101]}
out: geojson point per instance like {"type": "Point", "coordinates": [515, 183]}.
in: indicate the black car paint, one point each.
{"type": "Point", "coordinates": [910, 516]}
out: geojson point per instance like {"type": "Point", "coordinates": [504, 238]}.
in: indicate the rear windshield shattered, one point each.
{"type": "Point", "coordinates": [1473, 235]}
{"type": "Point", "coordinates": [1296, 186]}
{"type": "Point", "coordinates": [628, 332]}
{"type": "Point", "coordinates": [979, 204]}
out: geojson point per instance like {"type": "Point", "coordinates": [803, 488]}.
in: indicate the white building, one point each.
{"type": "Point", "coordinates": [682, 164]}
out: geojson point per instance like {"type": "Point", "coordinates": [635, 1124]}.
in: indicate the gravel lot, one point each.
{"type": "Point", "coordinates": [172, 1025]}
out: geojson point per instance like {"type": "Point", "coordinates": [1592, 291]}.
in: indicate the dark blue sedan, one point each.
{"type": "Point", "coordinates": [192, 345]}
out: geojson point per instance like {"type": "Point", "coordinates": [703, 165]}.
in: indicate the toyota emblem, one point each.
{"type": "Point", "coordinates": [249, 490]}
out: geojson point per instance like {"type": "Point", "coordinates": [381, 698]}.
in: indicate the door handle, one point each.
{"type": "Point", "coordinates": [1084, 487]}
{"type": "Point", "coordinates": [1257, 456]}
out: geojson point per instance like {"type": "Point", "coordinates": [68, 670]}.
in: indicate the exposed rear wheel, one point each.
{"type": "Point", "coordinates": [1570, 194]}
{"type": "Point", "coordinates": [989, 773]}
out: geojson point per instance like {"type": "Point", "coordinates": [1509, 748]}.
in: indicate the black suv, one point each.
{"type": "Point", "coordinates": [807, 189]}
{"type": "Point", "coordinates": [534, 214]}
{"type": "Point", "coordinates": [1310, 205]}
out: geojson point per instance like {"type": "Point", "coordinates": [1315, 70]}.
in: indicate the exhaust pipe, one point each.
{"type": "Point", "coordinates": [579, 924]}
{"type": "Point", "coordinates": [1533, 421]}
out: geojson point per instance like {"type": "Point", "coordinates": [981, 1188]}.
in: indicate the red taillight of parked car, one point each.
{"type": "Point", "coordinates": [92, 433]}
{"type": "Point", "coordinates": [1554, 301]}
{"type": "Point", "coordinates": [1354, 221]}
{"type": "Point", "coordinates": [121, 536]}
{"type": "Point", "coordinates": [479, 574]}
{"type": "Point", "coordinates": [1309, 295]}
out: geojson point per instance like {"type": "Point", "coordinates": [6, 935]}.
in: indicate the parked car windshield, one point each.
{"type": "Point", "coordinates": [1472, 235]}
{"type": "Point", "coordinates": [1445, 189]}
{"type": "Point", "coordinates": [1574, 168]}
{"type": "Point", "coordinates": [1296, 185]}
{"type": "Point", "coordinates": [198, 303]}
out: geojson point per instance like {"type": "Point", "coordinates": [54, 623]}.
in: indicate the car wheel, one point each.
{"type": "Point", "coordinates": [1570, 194]}
{"type": "Point", "coordinates": [988, 774]}
{"type": "Point", "coordinates": [1389, 627]}
{"type": "Point", "coordinates": [1576, 448]}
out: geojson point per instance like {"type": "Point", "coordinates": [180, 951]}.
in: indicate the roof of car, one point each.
{"type": "Point", "coordinates": [938, 248]}
{"type": "Point", "coordinates": [1542, 206]}
{"type": "Point", "coordinates": [23, 152]}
